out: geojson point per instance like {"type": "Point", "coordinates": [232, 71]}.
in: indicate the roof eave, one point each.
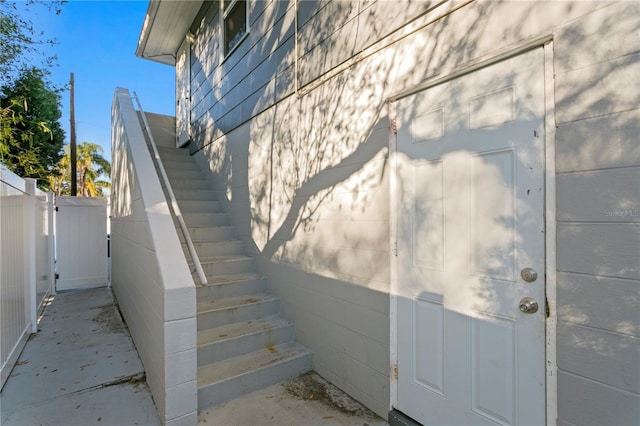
{"type": "Point", "coordinates": [165, 27]}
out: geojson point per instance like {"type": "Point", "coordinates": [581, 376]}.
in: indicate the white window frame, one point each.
{"type": "Point", "coordinates": [223, 19]}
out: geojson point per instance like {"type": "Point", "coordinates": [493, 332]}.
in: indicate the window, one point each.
{"type": "Point", "coordinates": [235, 24]}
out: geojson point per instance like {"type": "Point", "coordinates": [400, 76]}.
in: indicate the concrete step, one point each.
{"type": "Point", "coordinates": [199, 206]}
{"type": "Point", "coordinates": [198, 220]}
{"type": "Point", "coordinates": [221, 286]}
{"type": "Point", "coordinates": [171, 152]}
{"type": "Point", "coordinates": [217, 248]}
{"type": "Point", "coordinates": [179, 183]}
{"type": "Point", "coordinates": [194, 194]}
{"type": "Point", "coordinates": [209, 233]}
{"type": "Point", "coordinates": [219, 312]}
{"type": "Point", "coordinates": [243, 343]}
{"type": "Point", "coordinates": [182, 173]}
{"type": "Point", "coordinates": [220, 343]}
{"type": "Point", "coordinates": [223, 381]}
{"type": "Point", "coordinates": [227, 265]}
{"type": "Point", "coordinates": [179, 163]}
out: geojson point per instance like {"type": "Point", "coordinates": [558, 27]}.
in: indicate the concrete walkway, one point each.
{"type": "Point", "coordinates": [82, 368]}
{"type": "Point", "coordinates": [307, 400]}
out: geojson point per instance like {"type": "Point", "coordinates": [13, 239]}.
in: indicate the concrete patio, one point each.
{"type": "Point", "coordinates": [82, 368]}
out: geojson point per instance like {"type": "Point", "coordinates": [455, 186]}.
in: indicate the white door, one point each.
{"type": "Point", "coordinates": [81, 243]}
{"type": "Point", "coordinates": [183, 93]}
{"type": "Point", "coordinates": [470, 219]}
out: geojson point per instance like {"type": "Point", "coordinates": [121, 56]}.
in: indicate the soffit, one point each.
{"type": "Point", "coordinates": [165, 27]}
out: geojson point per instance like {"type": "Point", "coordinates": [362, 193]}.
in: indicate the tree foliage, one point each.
{"type": "Point", "coordinates": [92, 168]}
{"type": "Point", "coordinates": [31, 137]}
{"type": "Point", "coordinates": [21, 44]}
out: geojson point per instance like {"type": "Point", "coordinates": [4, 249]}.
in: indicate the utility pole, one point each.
{"type": "Point", "coordinates": [72, 145]}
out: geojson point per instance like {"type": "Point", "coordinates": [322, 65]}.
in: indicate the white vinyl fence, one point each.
{"type": "Point", "coordinates": [81, 243]}
{"type": "Point", "coordinates": [26, 262]}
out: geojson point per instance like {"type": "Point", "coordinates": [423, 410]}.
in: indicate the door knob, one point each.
{"type": "Point", "coordinates": [528, 305]}
{"type": "Point", "coordinates": [529, 275]}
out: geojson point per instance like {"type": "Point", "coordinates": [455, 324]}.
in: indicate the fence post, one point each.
{"type": "Point", "coordinates": [30, 216]}
{"type": "Point", "coordinates": [51, 237]}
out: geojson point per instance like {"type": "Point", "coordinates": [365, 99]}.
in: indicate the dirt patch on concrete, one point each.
{"type": "Point", "coordinates": [109, 320]}
{"type": "Point", "coordinates": [311, 386]}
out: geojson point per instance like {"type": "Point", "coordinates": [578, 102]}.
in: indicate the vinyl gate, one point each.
{"type": "Point", "coordinates": [81, 243]}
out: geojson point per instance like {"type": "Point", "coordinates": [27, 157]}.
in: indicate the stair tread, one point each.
{"type": "Point", "coordinates": [186, 193]}
{"type": "Point", "coordinates": [214, 280]}
{"type": "Point", "coordinates": [235, 301]}
{"type": "Point", "coordinates": [230, 331]}
{"type": "Point", "coordinates": [219, 259]}
{"type": "Point", "coordinates": [203, 214]}
{"type": "Point", "coordinates": [178, 180]}
{"type": "Point", "coordinates": [222, 370]}
{"type": "Point", "coordinates": [171, 160]}
{"type": "Point", "coordinates": [214, 243]}
{"type": "Point", "coordinates": [214, 227]}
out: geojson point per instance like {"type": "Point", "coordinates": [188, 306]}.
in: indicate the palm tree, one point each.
{"type": "Point", "coordinates": [91, 168]}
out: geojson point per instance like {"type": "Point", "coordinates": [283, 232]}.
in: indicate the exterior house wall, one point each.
{"type": "Point", "coordinates": [302, 164]}
{"type": "Point", "coordinates": [150, 275]}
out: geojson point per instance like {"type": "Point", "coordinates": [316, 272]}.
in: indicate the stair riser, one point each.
{"type": "Point", "coordinates": [170, 152]}
{"type": "Point", "coordinates": [240, 313]}
{"type": "Point", "coordinates": [199, 206]}
{"type": "Point", "coordinates": [178, 184]}
{"type": "Point", "coordinates": [229, 267]}
{"type": "Point", "coordinates": [244, 344]}
{"type": "Point", "coordinates": [231, 289]}
{"type": "Point", "coordinates": [227, 248]}
{"type": "Point", "coordinates": [185, 164]}
{"type": "Point", "coordinates": [194, 194]}
{"type": "Point", "coordinates": [227, 390]}
{"type": "Point", "coordinates": [183, 173]}
{"type": "Point", "coordinates": [205, 219]}
{"type": "Point", "coordinates": [223, 233]}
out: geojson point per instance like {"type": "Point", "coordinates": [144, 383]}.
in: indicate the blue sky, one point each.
{"type": "Point", "coordinates": [97, 42]}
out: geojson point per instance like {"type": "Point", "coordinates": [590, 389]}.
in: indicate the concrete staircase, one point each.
{"type": "Point", "coordinates": [243, 342]}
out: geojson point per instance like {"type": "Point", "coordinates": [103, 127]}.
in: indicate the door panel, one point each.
{"type": "Point", "coordinates": [470, 188]}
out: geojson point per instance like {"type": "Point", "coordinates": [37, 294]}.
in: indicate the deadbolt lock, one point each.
{"type": "Point", "coordinates": [528, 305]}
{"type": "Point", "coordinates": [529, 275]}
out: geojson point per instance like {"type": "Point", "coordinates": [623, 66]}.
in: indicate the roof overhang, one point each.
{"type": "Point", "coordinates": [165, 27]}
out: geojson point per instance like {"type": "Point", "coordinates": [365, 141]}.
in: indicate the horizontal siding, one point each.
{"type": "Point", "coordinates": [610, 195]}
{"type": "Point", "coordinates": [598, 213]}
{"type": "Point", "coordinates": [600, 302]}
{"type": "Point", "coordinates": [608, 250]}
{"type": "Point", "coordinates": [585, 402]}
{"type": "Point", "coordinates": [327, 22]}
{"type": "Point", "coordinates": [598, 89]}
{"type": "Point", "coordinates": [258, 48]}
{"type": "Point", "coordinates": [308, 9]}
{"type": "Point", "coordinates": [257, 70]}
{"type": "Point", "coordinates": [603, 356]}
{"type": "Point", "coordinates": [578, 43]}
{"type": "Point", "coordinates": [599, 143]}
{"type": "Point", "coordinates": [342, 29]}
{"type": "Point", "coordinates": [307, 185]}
